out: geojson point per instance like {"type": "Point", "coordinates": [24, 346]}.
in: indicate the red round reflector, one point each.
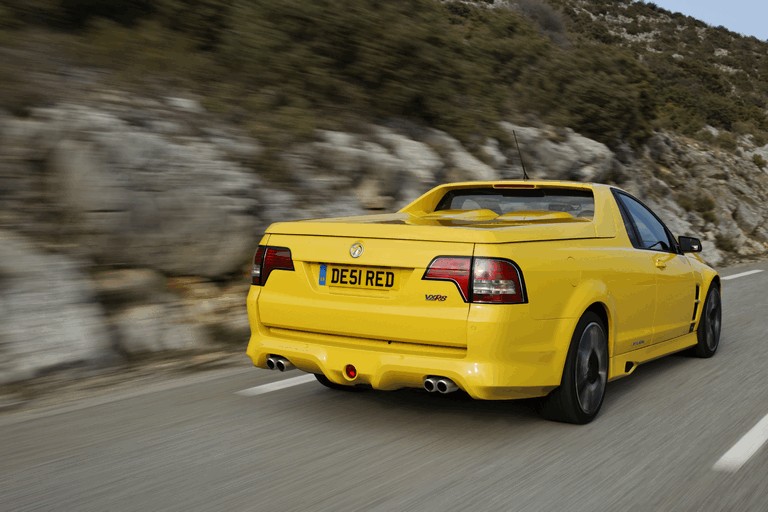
{"type": "Point", "coordinates": [350, 371]}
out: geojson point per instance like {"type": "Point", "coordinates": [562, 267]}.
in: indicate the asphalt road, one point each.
{"type": "Point", "coordinates": [202, 444]}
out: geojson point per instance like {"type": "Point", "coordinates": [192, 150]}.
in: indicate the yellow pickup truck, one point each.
{"type": "Point", "coordinates": [504, 290]}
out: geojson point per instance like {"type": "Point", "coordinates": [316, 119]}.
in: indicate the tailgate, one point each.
{"type": "Point", "coordinates": [378, 295]}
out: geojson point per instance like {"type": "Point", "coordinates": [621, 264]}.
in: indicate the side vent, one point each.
{"type": "Point", "coordinates": [695, 308]}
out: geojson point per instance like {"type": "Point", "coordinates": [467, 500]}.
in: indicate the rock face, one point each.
{"type": "Point", "coordinates": [565, 155]}
{"type": "Point", "coordinates": [50, 315]}
{"type": "Point", "coordinates": [179, 206]}
{"type": "Point", "coordinates": [383, 170]}
{"type": "Point", "coordinates": [127, 224]}
{"type": "Point", "coordinates": [99, 206]}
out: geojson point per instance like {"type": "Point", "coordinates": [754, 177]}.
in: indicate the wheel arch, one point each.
{"type": "Point", "coordinates": [592, 295]}
{"type": "Point", "coordinates": [601, 310]}
{"type": "Point", "coordinates": [564, 402]}
{"type": "Point", "coordinates": [705, 287]}
{"type": "Point", "coordinates": [599, 305]}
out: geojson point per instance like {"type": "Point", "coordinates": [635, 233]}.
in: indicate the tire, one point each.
{"type": "Point", "coordinates": [708, 333]}
{"type": "Point", "coordinates": [585, 375]}
{"type": "Point", "coordinates": [322, 379]}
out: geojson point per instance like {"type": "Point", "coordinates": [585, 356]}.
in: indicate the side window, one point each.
{"type": "Point", "coordinates": [645, 230]}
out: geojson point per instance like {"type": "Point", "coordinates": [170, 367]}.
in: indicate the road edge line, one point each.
{"type": "Point", "coordinates": [743, 274]}
{"type": "Point", "coordinates": [276, 386]}
{"type": "Point", "coordinates": [744, 448]}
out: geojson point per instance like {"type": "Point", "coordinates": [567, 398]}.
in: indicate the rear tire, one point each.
{"type": "Point", "coordinates": [708, 334]}
{"type": "Point", "coordinates": [585, 375]}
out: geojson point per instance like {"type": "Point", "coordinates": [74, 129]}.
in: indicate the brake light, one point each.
{"type": "Point", "coordinates": [451, 268]}
{"type": "Point", "coordinates": [268, 259]}
{"type": "Point", "coordinates": [480, 280]}
{"type": "Point", "coordinates": [514, 185]}
{"type": "Point", "coordinates": [496, 281]}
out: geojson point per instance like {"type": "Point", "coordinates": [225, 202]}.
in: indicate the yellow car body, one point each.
{"type": "Point", "coordinates": [360, 291]}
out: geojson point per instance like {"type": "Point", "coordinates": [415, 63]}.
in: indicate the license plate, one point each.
{"type": "Point", "coordinates": [358, 277]}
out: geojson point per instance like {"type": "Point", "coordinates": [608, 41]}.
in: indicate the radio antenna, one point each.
{"type": "Point", "coordinates": [520, 153]}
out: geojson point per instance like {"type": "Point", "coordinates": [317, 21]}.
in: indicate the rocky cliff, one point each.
{"type": "Point", "coordinates": [127, 224]}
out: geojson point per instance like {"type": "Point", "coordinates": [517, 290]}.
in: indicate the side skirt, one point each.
{"type": "Point", "coordinates": [624, 364]}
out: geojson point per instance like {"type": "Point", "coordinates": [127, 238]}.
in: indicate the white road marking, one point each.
{"type": "Point", "coordinates": [274, 386]}
{"type": "Point", "coordinates": [744, 449]}
{"type": "Point", "coordinates": [743, 274]}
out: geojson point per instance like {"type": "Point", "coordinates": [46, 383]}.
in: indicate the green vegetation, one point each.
{"type": "Point", "coordinates": [726, 243]}
{"type": "Point", "coordinates": [702, 203]}
{"type": "Point", "coordinates": [601, 90]}
{"type": "Point", "coordinates": [703, 75]}
{"type": "Point", "coordinates": [284, 68]}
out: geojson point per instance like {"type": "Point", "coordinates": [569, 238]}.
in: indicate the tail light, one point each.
{"type": "Point", "coordinates": [496, 281]}
{"type": "Point", "coordinates": [480, 280]}
{"type": "Point", "coordinates": [268, 259]}
{"type": "Point", "coordinates": [451, 268]}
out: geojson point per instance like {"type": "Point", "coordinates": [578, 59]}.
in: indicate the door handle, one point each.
{"type": "Point", "coordinates": [660, 263]}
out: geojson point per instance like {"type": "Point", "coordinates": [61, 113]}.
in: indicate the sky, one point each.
{"type": "Point", "coordinates": [748, 17]}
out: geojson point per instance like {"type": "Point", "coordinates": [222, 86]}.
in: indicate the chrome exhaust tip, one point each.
{"type": "Point", "coordinates": [284, 365]}
{"type": "Point", "coordinates": [446, 386]}
{"type": "Point", "coordinates": [430, 384]}
{"type": "Point", "coordinates": [272, 363]}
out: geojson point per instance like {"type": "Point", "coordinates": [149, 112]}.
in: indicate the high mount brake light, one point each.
{"type": "Point", "coordinates": [480, 280]}
{"type": "Point", "coordinates": [266, 260]}
{"type": "Point", "coordinates": [514, 185]}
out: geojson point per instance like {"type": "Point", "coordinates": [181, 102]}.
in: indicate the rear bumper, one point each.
{"type": "Point", "coordinates": [507, 356]}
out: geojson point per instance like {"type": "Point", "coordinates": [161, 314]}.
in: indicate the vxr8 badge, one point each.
{"type": "Point", "coordinates": [433, 298]}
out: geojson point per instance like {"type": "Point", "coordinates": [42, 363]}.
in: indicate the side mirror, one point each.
{"type": "Point", "coordinates": [689, 244]}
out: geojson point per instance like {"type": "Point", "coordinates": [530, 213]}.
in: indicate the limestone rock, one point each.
{"type": "Point", "coordinates": [140, 199]}
{"type": "Point", "coordinates": [748, 217]}
{"type": "Point", "coordinates": [128, 285]}
{"type": "Point", "coordinates": [220, 311]}
{"type": "Point", "coordinates": [418, 159]}
{"type": "Point", "coordinates": [151, 328]}
{"type": "Point", "coordinates": [493, 154]}
{"type": "Point", "coordinates": [564, 155]}
{"type": "Point", "coordinates": [49, 316]}
{"type": "Point", "coordinates": [711, 254]}
{"type": "Point", "coordinates": [461, 165]}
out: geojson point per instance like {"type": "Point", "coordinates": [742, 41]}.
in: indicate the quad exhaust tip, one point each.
{"type": "Point", "coordinates": [446, 386]}
{"type": "Point", "coordinates": [279, 363]}
{"type": "Point", "coordinates": [442, 385]}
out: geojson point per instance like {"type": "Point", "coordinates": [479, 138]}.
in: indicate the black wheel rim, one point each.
{"type": "Point", "coordinates": [591, 368]}
{"type": "Point", "coordinates": [712, 320]}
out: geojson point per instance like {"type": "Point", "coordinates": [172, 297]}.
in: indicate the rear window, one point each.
{"type": "Point", "coordinates": [579, 203]}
